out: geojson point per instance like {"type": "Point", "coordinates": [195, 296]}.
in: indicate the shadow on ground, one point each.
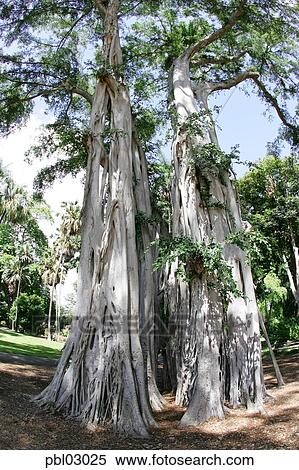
{"type": "Point", "coordinates": [25, 426]}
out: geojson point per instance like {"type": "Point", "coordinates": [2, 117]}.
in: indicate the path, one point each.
{"type": "Point", "coordinates": [9, 358]}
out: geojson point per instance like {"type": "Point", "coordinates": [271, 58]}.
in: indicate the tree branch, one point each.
{"type": "Point", "coordinates": [39, 93]}
{"type": "Point", "coordinates": [226, 85]}
{"type": "Point", "coordinates": [102, 9]}
{"type": "Point", "coordinates": [83, 93]}
{"type": "Point", "coordinates": [132, 8]}
{"type": "Point", "coordinates": [69, 32]}
{"type": "Point", "coordinates": [273, 101]}
{"type": "Point", "coordinates": [206, 60]}
{"type": "Point", "coordinates": [219, 33]}
{"type": "Point", "coordinates": [52, 90]}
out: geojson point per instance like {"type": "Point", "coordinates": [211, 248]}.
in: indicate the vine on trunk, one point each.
{"type": "Point", "coordinates": [197, 259]}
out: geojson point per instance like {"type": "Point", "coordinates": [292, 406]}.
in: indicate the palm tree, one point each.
{"type": "Point", "coordinates": [48, 274]}
{"type": "Point", "coordinates": [63, 249]}
{"type": "Point", "coordinates": [14, 201]}
{"type": "Point", "coordinates": [14, 274]}
{"type": "Point", "coordinates": [67, 245]}
{"type": "Point", "coordinates": [71, 219]}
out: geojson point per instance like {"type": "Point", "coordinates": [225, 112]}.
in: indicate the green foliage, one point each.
{"type": "Point", "coordinates": [148, 122]}
{"type": "Point", "coordinates": [257, 248]}
{"type": "Point", "coordinates": [198, 260]}
{"type": "Point", "coordinates": [14, 201]}
{"type": "Point", "coordinates": [141, 219]}
{"type": "Point", "coordinates": [61, 136]}
{"type": "Point", "coordinates": [265, 40]}
{"type": "Point", "coordinates": [64, 254]}
{"type": "Point", "coordinates": [22, 243]}
{"type": "Point", "coordinates": [281, 329]}
{"type": "Point", "coordinates": [272, 299]}
{"type": "Point", "coordinates": [31, 311]}
{"type": "Point", "coordinates": [209, 160]}
{"type": "Point", "coordinates": [160, 176]}
{"type": "Point", "coordinates": [197, 123]}
{"type": "Point", "coordinates": [182, 34]}
{"type": "Point", "coordinates": [6, 239]}
{"type": "Point", "coordinates": [55, 58]}
{"type": "Point", "coordinates": [269, 196]}
{"type": "Point", "coordinates": [276, 292]}
{"type": "Point", "coordinates": [14, 111]}
{"type": "Point", "coordinates": [105, 70]}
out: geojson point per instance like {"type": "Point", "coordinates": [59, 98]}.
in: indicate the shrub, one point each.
{"type": "Point", "coordinates": [31, 311]}
{"type": "Point", "coordinates": [281, 329]}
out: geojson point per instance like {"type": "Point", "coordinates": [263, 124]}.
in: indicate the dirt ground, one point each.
{"type": "Point", "coordinates": [25, 426]}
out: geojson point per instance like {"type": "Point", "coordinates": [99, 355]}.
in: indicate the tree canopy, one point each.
{"type": "Point", "coordinates": [269, 196]}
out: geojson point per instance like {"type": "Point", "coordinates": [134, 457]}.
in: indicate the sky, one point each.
{"type": "Point", "coordinates": [12, 150]}
{"type": "Point", "coordinates": [245, 121]}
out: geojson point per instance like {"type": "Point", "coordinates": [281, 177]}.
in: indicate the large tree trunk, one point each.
{"type": "Point", "coordinates": [101, 377]}
{"type": "Point", "coordinates": [214, 350]}
{"type": "Point", "coordinates": [147, 289]}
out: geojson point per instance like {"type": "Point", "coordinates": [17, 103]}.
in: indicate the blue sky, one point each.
{"type": "Point", "coordinates": [242, 121]}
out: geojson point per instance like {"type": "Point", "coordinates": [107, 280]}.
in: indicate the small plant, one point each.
{"type": "Point", "coordinates": [51, 407]}
{"type": "Point", "coordinates": [197, 124]}
{"type": "Point", "coordinates": [208, 159]}
{"type": "Point", "coordinates": [196, 259]}
{"type": "Point", "coordinates": [142, 219]}
{"type": "Point", "coordinates": [239, 238]}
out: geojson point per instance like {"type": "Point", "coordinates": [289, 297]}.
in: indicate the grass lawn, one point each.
{"type": "Point", "coordinates": [17, 343]}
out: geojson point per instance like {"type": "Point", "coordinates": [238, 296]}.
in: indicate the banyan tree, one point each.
{"type": "Point", "coordinates": [107, 372]}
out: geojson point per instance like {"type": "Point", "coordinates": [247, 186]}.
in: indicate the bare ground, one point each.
{"type": "Point", "coordinates": [24, 426]}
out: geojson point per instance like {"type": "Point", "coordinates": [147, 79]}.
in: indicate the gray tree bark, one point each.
{"type": "Point", "coordinates": [102, 375]}
{"type": "Point", "coordinates": [214, 350]}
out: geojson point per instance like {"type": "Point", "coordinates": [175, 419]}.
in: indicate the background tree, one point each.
{"type": "Point", "coordinates": [29, 309]}
{"type": "Point", "coordinates": [269, 195]}
{"type": "Point", "coordinates": [21, 245]}
{"type": "Point", "coordinates": [269, 199]}
{"type": "Point", "coordinates": [61, 257]}
{"type": "Point", "coordinates": [13, 199]}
